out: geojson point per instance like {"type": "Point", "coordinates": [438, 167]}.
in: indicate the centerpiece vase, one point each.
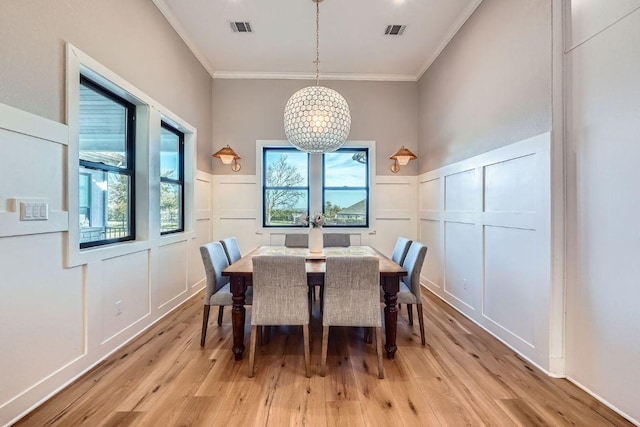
{"type": "Point", "coordinates": [315, 240]}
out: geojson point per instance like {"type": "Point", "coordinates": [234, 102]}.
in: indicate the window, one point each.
{"type": "Point", "coordinates": [345, 189]}
{"type": "Point", "coordinates": [171, 179]}
{"type": "Point", "coordinates": [285, 186]}
{"type": "Point", "coordinates": [107, 166]}
{"type": "Point", "coordinates": [296, 183]}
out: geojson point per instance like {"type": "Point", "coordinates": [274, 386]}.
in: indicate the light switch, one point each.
{"type": "Point", "coordinates": [34, 211]}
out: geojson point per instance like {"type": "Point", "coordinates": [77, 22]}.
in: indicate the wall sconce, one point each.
{"type": "Point", "coordinates": [228, 156]}
{"type": "Point", "coordinates": [401, 158]}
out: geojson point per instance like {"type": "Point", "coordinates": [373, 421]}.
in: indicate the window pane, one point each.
{"type": "Point", "coordinates": [103, 128]}
{"type": "Point", "coordinates": [286, 168]}
{"type": "Point", "coordinates": [169, 154]}
{"type": "Point", "coordinates": [170, 207]}
{"type": "Point", "coordinates": [107, 216]}
{"type": "Point", "coordinates": [283, 207]}
{"type": "Point", "coordinates": [345, 169]}
{"type": "Point", "coordinates": [345, 207]}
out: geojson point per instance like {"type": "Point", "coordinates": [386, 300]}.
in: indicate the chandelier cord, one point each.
{"type": "Point", "coordinates": [317, 42]}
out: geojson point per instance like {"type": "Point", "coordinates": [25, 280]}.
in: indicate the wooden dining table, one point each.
{"type": "Point", "coordinates": [240, 275]}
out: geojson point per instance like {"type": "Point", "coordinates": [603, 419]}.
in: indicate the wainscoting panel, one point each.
{"type": "Point", "coordinates": [461, 263]}
{"type": "Point", "coordinates": [172, 268]}
{"type": "Point", "coordinates": [486, 221]}
{"type": "Point", "coordinates": [202, 227]}
{"type": "Point", "coordinates": [393, 213]}
{"type": "Point", "coordinates": [511, 280]}
{"type": "Point", "coordinates": [432, 236]}
{"type": "Point", "coordinates": [123, 280]}
{"type": "Point", "coordinates": [459, 191]}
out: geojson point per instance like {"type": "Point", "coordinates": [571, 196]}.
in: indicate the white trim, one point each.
{"type": "Point", "coordinates": [602, 400]}
{"type": "Point", "coordinates": [309, 76]}
{"type": "Point", "coordinates": [19, 121]}
{"type": "Point", "coordinates": [184, 35]}
{"type": "Point", "coordinates": [315, 193]}
{"type": "Point", "coordinates": [82, 371]}
{"type": "Point", "coordinates": [452, 33]}
{"type": "Point", "coordinates": [149, 115]}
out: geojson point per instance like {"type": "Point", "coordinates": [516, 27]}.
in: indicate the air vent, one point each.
{"type": "Point", "coordinates": [395, 30]}
{"type": "Point", "coordinates": [241, 27]}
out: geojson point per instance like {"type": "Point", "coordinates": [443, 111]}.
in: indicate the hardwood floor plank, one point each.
{"type": "Point", "coordinates": [462, 377]}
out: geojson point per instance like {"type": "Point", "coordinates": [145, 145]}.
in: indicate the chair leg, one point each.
{"type": "Point", "coordinates": [325, 342]}
{"type": "Point", "coordinates": [378, 332]}
{"type": "Point", "coordinates": [367, 335]}
{"type": "Point", "coordinates": [220, 314]}
{"type": "Point", "coordinates": [421, 322]}
{"type": "Point", "coordinates": [410, 313]}
{"type": "Point", "coordinates": [205, 321]}
{"type": "Point", "coordinates": [252, 349]}
{"type": "Point", "coordinates": [307, 352]}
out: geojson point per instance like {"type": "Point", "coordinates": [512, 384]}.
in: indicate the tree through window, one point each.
{"type": "Point", "coordinates": [285, 186]}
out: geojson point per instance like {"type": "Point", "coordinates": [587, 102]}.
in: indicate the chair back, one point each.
{"type": "Point", "coordinates": [400, 250]}
{"type": "Point", "coordinates": [280, 290]}
{"type": "Point", "coordinates": [215, 260]}
{"type": "Point", "coordinates": [336, 240]}
{"type": "Point", "coordinates": [352, 292]}
{"type": "Point", "coordinates": [231, 248]}
{"type": "Point", "coordinates": [298, 240]}
{"type": "Point", "coordinates": [413, 264]}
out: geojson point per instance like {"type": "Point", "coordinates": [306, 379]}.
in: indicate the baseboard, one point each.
{"type": "Point", "coordinates": [96, 363]}
{"type": "Point", "coordinates": [603, 401]}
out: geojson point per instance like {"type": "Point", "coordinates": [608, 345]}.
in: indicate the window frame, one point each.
{"type": "Point", "coordinates": [129, 170]}
{"type": "Point", "coordinates": [179, 181]}
{"type": "Point", "coordinates": [306, 188]}
{"type": "Point", "coordinates": [366, 187]}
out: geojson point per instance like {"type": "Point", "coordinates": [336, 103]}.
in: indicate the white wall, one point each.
{"type": "Point", "coordinates": [486, 222]}
{"type": "Point", "coordinates": [603, 203]}
{"type": "Point", "coordinates": [237, 203]}
{"type": "Point", "coordinates": [57, 322]}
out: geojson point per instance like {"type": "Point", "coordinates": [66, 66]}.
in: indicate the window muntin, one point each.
{"type": "Point", "coordinates": [285, 186]}
{"type": "Point", "coordinates": [171, 179]}
{"type": "Point", "coordinates": [106, 161]}
{"type": "Point", "coordinates": [345, 189]}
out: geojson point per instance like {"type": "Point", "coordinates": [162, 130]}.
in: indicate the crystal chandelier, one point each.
{"type": "Point", "coordinates": [316, 118]}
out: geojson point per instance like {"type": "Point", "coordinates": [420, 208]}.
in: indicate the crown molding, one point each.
{"type": "Point", "coordinates": [184, 35]}
{"type": "Point", "coordinates": [450, 35]}
{"type": "Point", "coordinates": [312, 76]}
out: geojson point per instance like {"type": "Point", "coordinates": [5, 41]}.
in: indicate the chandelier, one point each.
{"type": "Point", "coordinates": [316, 118]}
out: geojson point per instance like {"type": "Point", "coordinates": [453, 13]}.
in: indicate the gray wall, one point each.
{"type": "Point", "coordinates": [490, 87]}
{"type": "Point", "coordinates": [248, 110]}
{"type": "Point", "coordinates": [130, 37]}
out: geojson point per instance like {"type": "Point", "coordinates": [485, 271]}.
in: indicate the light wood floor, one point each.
{"type": "Point", "coordinates": [462, 376]}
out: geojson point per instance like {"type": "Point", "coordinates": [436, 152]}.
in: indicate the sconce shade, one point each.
{"type": "Point", "coordinates": [403, 155]}
{"type": "Point", "coordinates": [227, 155]}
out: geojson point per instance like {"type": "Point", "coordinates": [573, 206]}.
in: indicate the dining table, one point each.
{"type": "Point", "coordinates": [240, 275]}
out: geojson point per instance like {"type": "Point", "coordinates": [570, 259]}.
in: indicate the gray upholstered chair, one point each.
{"type": "Point", "coordinates": [409, 292]}
{"type": "Point", "coordinates": [400, 250]}
{"type": "Point", "coordinates": [231, 248]}
{"type": "Point", "coordinates": [336, 240]}
{"type": "Point", "coordinates": [217, 291]}
{"type": "Point", "coordinates": [297, 240]}
{"type": "Point", "coordinates": [279, 298]}
{"type": "Point", "coordinates": [354, 283]}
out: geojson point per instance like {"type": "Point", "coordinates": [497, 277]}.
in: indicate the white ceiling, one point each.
{"type": "Point", "coordinates": [352, 40]}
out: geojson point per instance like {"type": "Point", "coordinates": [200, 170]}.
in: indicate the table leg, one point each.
{"type": "Point", "coordinates": [238, 289]}
{"type": "Point", "coordinates": [390, 285]}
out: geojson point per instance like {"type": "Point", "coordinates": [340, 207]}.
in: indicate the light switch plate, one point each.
{"type": "Point", "coordinates": [34, 211]}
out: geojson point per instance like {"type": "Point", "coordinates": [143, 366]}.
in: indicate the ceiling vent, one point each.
{"type": "Point", "coordinates": [241, 27]}
{"type": "Point", "coordinates": [395, 30]}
